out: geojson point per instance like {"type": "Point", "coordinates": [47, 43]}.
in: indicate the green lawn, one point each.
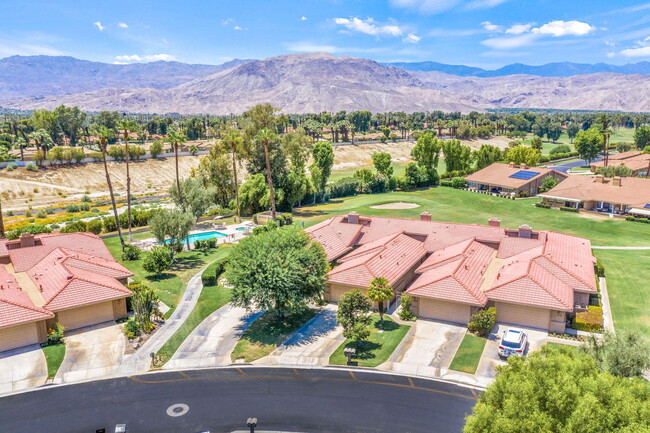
{"type": "Point", "coordinates": [171, 284]}
{"type": "Point", "coordinates": [399, 169]}
{"type": "Point", "coordinates": [628, 274]}
{"type": "Point", "coordinates": [468, 354]}
{"type": "Point", "coordinates": [377, 349]}
{"type": "Point", "coordinates": [448, 204]}
{"type": "Point", "coordinates": [267, 332]}
{"type": "Point", "coordinates": [54, 356]}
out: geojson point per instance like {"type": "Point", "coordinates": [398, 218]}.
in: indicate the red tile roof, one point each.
{"type": "Point", "coordinates": [336, 238]}
{"type": "Point", "coordinates": [499, 174]}
{"type": "Point", "coordinates": [633, 192]}
{"type": "Point", "coordinates": [15, 305]}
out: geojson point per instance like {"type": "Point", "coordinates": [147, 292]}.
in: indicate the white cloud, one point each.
{"type": "Point", "coordinates": [412, 38]}
{"type": "Point", "coordinates": [303, 18]}
{"type": "Point", "coordinates": [610, 55]}
{"type": "Point", "coordinates": [123, 25]}
{"type": "Point", "coordinates": [426, 6]}
{"type": "Point", "coordinates": [368, 26]}
{"type": "Point", "coordinates": [99, 25]}
{"type": "Point", "coordinates": [134, 58]}
{"type": "Point", "coordinates": [484, 4]}
{"type": "Point", "coordinates": [507, 43]}
{"type": "Point", "coordinates": [487, 25]}
{"type": "Point", "coordinates": [518, 29]}
{"type": "Point", "coordinates": [306, 47]}
{"type": "Point", "coordinates": [564, 28]}
{"type": "Point", "coordinates": [237, 28]}
{"type": "Point", "coordinates": [636, 52]}
{"type": "Point", "coordinates": [227, 21]}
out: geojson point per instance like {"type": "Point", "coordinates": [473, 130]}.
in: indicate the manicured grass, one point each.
{"type": "Point", "coordinates": [399, 168]}
{"type": "Point", "coordinates": [171, 284]}
{"type": "Point", "coordinates": [453, 205]}
{"type": "Point", "coordinates": [560, 345]}
{"type": "Point", "coordinates": [267, 332]}
{"type": "Point", "coordinates": [211, 299]}
{"type": "Point", "coordinates": [377, 349]}
{"type": "Point", "coordinates": [54, 356]}
{"type": "Point", "coordinates": [627, 274]}
{"type": "Point", "coordinates": [468, 354]}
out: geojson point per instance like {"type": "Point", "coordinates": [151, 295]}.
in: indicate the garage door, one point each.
{"type": "Point", "coordinates": [446, 311]}
{"type": "Point", "coordinates": [337, 292]}
{"type": "Point", "coordinates": [18, 336]}
{"type": "Point", "coordinates": [522, 315]}
{"type": "Point", "coordinates": [86, 316]}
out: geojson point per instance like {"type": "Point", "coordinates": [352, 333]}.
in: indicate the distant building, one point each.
{"type": "Point", "coordinates": [67, 278]}
{"type": "Point", "coordinates": [635, 160]}
{"type": "Point", "coordinates": [501, 178]}
{"type": "Point", "coordinates": [628, 195]}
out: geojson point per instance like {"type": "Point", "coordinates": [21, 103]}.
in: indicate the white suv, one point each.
{"type": "Point", "coordinates": [513, 342]}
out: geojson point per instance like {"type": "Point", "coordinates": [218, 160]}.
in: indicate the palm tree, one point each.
{"type": "Point", "coordinates": [2, 223]}
{"type": "Point", "coordinates": [104, 134]}
{"type": "Point", "coordinates": [266, 136]}
{"type": "Point", "coordinates": [177, 138]}
{"type": "Point", "coordinates": [380, 291]}
{"type": "Point", "coordinates": [128, 125]}
{"type": "Point", "coordinates": [235, 142]}
{"type": "Point", "coordinates": [604, 119]}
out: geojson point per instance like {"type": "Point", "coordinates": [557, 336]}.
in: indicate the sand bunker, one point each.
{"type": "Point", "coordinates": [396, 205]}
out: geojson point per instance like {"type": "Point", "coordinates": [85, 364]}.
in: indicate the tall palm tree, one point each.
{"type": "Point", "coordinates": [604, 119]}
{"type": "Point", "coordinates": [104, 134]}
{"type": "Point", "coordinates": [128, 125]}
{"type": "Point", "coordinates": [235, 142]}
{"type": "Point", "coordinates": [2, 222]}
{"type": "Point", "coordinates": [266, 136]}
{"type": "Point", "coordinates": [176, 138]}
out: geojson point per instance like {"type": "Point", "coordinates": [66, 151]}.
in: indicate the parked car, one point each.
{"type": "Point", "coordinates": [513, 342]}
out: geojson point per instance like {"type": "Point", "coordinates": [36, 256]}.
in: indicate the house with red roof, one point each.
{"type": "Point", "coordinates": [69, 278]}
{"type": "Point", "coordinates": [533, 278]}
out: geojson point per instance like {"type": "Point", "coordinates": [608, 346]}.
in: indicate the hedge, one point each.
{"type": "Point", "coordinates": [568, 209]}
{"type": "Point", "coordinates": [543, 205]}
{"type": "Point", "coordinates": [590, 320]}
{"type": "Point", "coordinates": [638, 220]}
{"type": "Point", "coordinates": [211, 275]}
{"type": "Point", "coordinates": [33, 229]}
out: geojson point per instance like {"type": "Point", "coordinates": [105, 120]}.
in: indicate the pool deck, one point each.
{"type": "Point", "coordinates": [232, 235]}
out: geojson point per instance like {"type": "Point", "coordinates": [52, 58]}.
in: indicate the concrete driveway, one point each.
{"type": "Point", "coordinates": [312, 344]}
{"type": "Point", "coordinates": [22, 368]}
{"type": "Point", "coordinates": [92, 352]}
{"type": "Point", "coordinates": [212, 342]}
{"type": "Point", "coordinates": [487, 366]}
{"type": "Point", "coordinates": [427, 350]}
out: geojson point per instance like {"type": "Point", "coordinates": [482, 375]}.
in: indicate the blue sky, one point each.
{"type": "Point", "coordinates": [486, 33]}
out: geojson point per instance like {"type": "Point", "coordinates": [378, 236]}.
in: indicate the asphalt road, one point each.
{"type": "Point", "coordinates": [220, 400]}
{"type": "Point", "coordinates": [564, 168]}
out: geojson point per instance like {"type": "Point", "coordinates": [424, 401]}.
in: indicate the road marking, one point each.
{"type": "Point", "coordinates": [182, 373]}
{"type": "Point", "coordinates": [411, 382]}
{"type": "Point", "coordinates": [474, 392]}
{"type": "Point", "coordinates": [242, 372]}
{"type": "Point", "coordinates": [296, 372]}
{"type": "Point", "coordinates": [247, 376]}
{"type": "Point", "coordinates": [178, 409]}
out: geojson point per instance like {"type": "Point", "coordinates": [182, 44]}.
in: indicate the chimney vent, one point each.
{"type": "Point", "coordinates": [599, 178]}
{"type": "Point", "coordinates": [353, 218]}
{"type": "Point", "coordinates": [511, 165]}
{"type": "Point", "coordinates": [524, 165]}
{"type": "Point", "coordinates": [69, 276]}
{"type": "Point", "coordinates": [425, 216]}
{"type": "Point", "coordinates": [27, 240]}
{"type": "Point", "coordinates": [525, 231]}
{"type": "Point", "coordinates": [494, 222]}
{"type": "Point", "coordinates": [616, 181]}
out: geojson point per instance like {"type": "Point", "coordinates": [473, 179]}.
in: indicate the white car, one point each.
{"type": "Point", "coordinates": [513, 342]}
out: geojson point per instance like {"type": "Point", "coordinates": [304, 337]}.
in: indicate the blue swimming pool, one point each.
{"type": "Point", "coordinates": [202, 236]}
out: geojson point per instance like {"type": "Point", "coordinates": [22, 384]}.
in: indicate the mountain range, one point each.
{"type": "Point", "coordinates": [306, 83]}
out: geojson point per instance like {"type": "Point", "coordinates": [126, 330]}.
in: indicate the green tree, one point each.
{"type": "Point", "coordinates": [216, 172]}
{"type": "Point", "coordinates": [548, 183]}
{"type": "Point", "coordinates": [562, 148]}
{"type": "Point", "coordinates": [323, 155]}
{"type": "Point", "coordinates": [557, 390]}
{"type": "Point", "coordinates": [352, 315]}
{"type": "Point", "coordinates": [382, 163]}
{"type": "Point", "coordinates": [458, 157]}
{"type": "Point", "coordinates": [380, 291]}
{"type": "Point", "coordinates": [588, 144]}
{"type": "Point", "coordinates": [487, 155]}
{"type": "Point", "coordinates": [554, 131]}
{"type": "Point", "coordinates": [157, 259]}
{"type": "Point", "coordinates": [127, 126]}
{"type": "Point", "coordinates": [572, 130]}
{"type": "Point", "coordinates": [283, 269]}
{"type": "Point", "coordinates": [176, 138]}
{"type": "Point", "coordinates": [642, 137]}
{"type": "Point", "coordinates": [523, 155]}
{"type": "Point", "coordinates": [156, 148]}
{"type": "Point", "coordinates": [427, 154]}
{"type": "Point", "coordinates": [197, 198]}
{"type": "Point", "coordinates": [252, 193]}
{"type": "Point", "coordinates": [625, 354]}
{"type": "Point", "coordinates": [235, 143]}
{"type": "Point", "coordinates": [536, 143]}
{"type": "Point", "coordinates": [266, 136]}
{"type": "Point", "coordinates": [171, 226]}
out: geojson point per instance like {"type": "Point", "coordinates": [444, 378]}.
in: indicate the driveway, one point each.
{"type": "Point", "coordinates": [564, 168]}
{"type": "Point", "coordinates": [212, 342]}
{"type": "Point", "coordinates": [312, 344]}
{"type": "Point", "coordinates": [427, 350]}
{"type": "Point", "coordinates": [92, 352]}
{"type": "Point", "coordinates": [22, 368]}
{"type": "Point", "coordinates": [490, 359]}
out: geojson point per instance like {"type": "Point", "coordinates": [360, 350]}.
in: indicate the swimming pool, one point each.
{"type": "Point", "coordinates": [201, 236]}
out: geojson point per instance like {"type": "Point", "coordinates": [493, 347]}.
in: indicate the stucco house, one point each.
{"type": "Point", "coordinates": [533, 278]}
{"type": "Point", "coordinates": [67, 278]}
{"type": "Point", "coordinates": [511, 178]}
{"type": "Point", "coordinates": [635, 160]}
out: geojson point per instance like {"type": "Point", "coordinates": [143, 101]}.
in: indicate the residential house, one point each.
{"type": "Point", "coordinates": [533, 278]}
{"type": "Point", "coordinates": [635, 160]}
{"type": "Point", "coordinates": [510, 178]}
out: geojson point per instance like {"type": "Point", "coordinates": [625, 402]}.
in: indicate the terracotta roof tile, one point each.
{"type": "Point", "coordinates": [499, 174]}
{"type": "Point", "coordinates": [15, 305]}
{"type": "Point", "coordinates": [633, 191]}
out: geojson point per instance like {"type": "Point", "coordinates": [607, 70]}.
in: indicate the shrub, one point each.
{"type": "Point", "coordinates": [131, 252]}
{"type": "Point", "coordinates": [590, 320]}
{"type": "Point", "coordinates": [445, 183]}
{"type": "Point", "coordinates": [132, 328]}
{"type": "Point", "coordinates": [33, 229]}
{"type": "Point", "coordinates": [156, 148]}
{"type": "Point", "coordinates": [72, 208]}
{"type": "Point", "coordinates": [85, 199]}
{"type": "Point", "coordinates": [211, 243]}
{"type": "Point", "coordinates": [136, 152]}
{"type": "Point", "coordinates": [568, 209]}
{"type": "Point", "coordinates": [109, 224]}
{"type": "Point", "coordinates": [599, 269]}
{"type": "Point", "coordinates": [12, 166]}
{"type": "Point", "coordinates": [194, 149]}
{"type": "Point", "coordinates": [482, 322]}
{"type": "Point", "coordinates": [96, 156]}
{"type": "Point", "coordinates": [41, 214]}
{"type": "Point", "coordinates": [94, 226]}
{"type": "Point", "coordinates": [561, 149]}
{"type": "Point", "coordinates": [405, 313]}
{"type": "Point", "coordinates": [157, 260]}
{"type": "Point", "coordinates": [211, 275]}
{"type": "Point", "coordinates": [77, 226]}
{"type": "Point", "coordinates": [458, 182]}
{"type": "Point", "coordinates": [55, 334]}
{"type": "Point", "coordinates": [543, 205]}
{"type": "Point", "coordinates": [117, 152]}
{"type": "Point", "coordinates": [31, 167]}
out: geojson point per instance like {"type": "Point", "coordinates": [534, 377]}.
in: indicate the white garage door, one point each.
{"type": "Point", "coordinates": [18, 336]}
{"type": "Point", "coordinates": [522, 315]}
{"type": "Point", "coordinates": [86, 316]}
{"type": "Point", "coordinates": [446, 311]}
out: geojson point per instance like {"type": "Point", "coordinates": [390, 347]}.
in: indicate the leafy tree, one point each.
{"type": "Point", "coordinates": [157, 259]}
{"type": "Point", "coordinates": [216, 172]}
{"type": "Point", "coordinates": [554, 131]}
{"type": "Point", "coordinates": [588, 144]}
{"type": "Point", "coordinates": [321, 169]}
{"type": "Point", "coordinates": [483, 321]}
{"type": "Point", "coordinates": [283, 269]}
{"type": "Point", "coordinates": [171, 225]}
{"type": "Point", "coordinates": [626, 353]}
{"type": "Point", "coordinates": [620, 170]}
{"type": "Point", "coordinates": [176, 138]}
{"type": "Point", "coordinates": [235, 143]}
{"type": "Point", "coordinates": [549, 183]}
{"type": "Point", "coordinates": [380, 291]}
{"type": "Point", "coordinates": [523, 155]}
{"type": "Point", "coordinates": [536, 143]}
{"type": "Point", "coordinates": [642, 137]}
{"type": "Point", "coordinates": [266, 136]}
{"type": "Point", "coordinates": [156, 148]}
{"type": "Point", "coordinates": [198, 198]}
{"type": "Point", "coordinates": [365, 178]}
{"type": "Point", "coordinates": [458, 157]}
{"type": "Point", "coordinates": [559, 390]}
{"type": "Point", "coordinates": [487, 155]}
{"type": "Point", "coordinates": [562, 148]}
{"type": "Point", "coordinates": [352, 315]}
{"type": "Point", "coordinates": [572, 130]}
{"type": "Point", "coordinates": [427, 154]}
{"type": "Point", "coordinates": [252, 193]}
{"type": "Point", "coordinates": [382, 163]}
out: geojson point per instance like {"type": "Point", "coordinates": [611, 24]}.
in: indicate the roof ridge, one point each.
{"type": "Point", "coordinates": [550, 259]}
{"type": "Point", "coordinates": [122, 289]}
{"type": "Point", "coordinates": [29, 307]}
{"type": "Point", "coordinates": [545, 289]}
{"type": "Point", "coordinates": [453, 275]}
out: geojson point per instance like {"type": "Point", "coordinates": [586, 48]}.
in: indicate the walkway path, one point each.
{"type": "Point", "coordinates": [212, 342]}
{"type": "Point", "coordinates": [620, 248]}
{"type": "Point", "coordinates": [141, 360]}
{"type": "Point", "coordinates": [608, 321]}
